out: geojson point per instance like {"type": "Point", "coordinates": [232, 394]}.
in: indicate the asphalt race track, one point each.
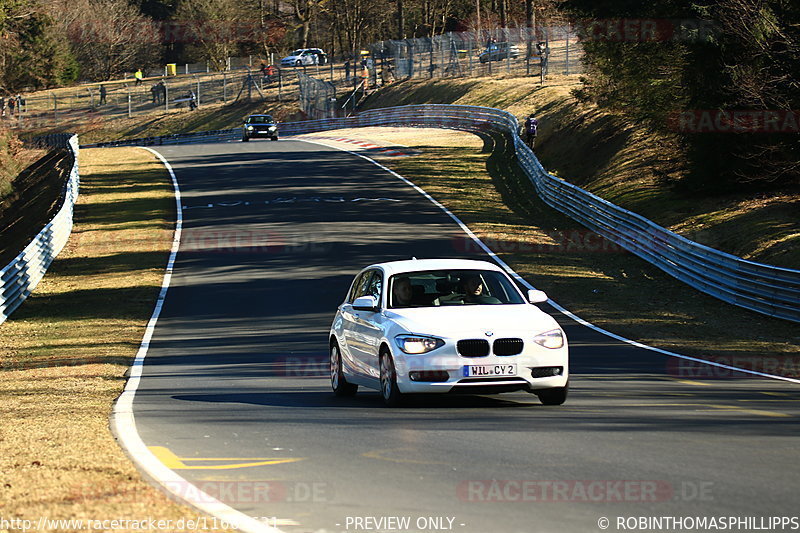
{"type": "Point", "coordinates": [235, 394]}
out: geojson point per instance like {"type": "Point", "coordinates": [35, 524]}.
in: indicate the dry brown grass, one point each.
{"type": "Point", "coordinates": [64, 353]}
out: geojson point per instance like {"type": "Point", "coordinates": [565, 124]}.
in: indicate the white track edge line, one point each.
{"type": "Point", "coordinates": [123, 422]}
{"type": "Point", "coordinates": [555, 305]}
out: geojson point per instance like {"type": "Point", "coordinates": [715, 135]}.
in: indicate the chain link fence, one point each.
{"type": "Point", "coordinates": [550, 50]}
{"type": "Point", "coordinates": [97, 103]}
{"type": "Point", "coordinates": [504, 52]}
{"type": "Point", "coordinates": [317, 97]}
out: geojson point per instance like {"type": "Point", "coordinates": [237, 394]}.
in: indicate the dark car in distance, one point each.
{"type": "Point", "coordinates": [259, 126]}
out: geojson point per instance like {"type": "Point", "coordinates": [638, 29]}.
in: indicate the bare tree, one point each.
{"type": "Point", "coordinates": [108, 37]}
{"type": "Point", "coordinates": [530, 24]}
{"type": "Point", "coordinates": [215, 29]}
{"type": "Point", "coordinates": [303, 12]}
{"type": "Point", "coordinates": [358, 21]}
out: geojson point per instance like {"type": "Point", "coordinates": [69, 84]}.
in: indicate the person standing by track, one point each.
{"type": "Point", "coordinates": [531, 130]}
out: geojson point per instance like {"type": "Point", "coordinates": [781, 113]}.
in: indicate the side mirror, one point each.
{"type": "Point", "coordinates": [365, 303]}
{"type": "Point", "coordinates": [537, 297]}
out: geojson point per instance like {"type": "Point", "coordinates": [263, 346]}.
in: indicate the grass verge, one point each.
{"type": "Point", "coordinates": [478, 181]}
{"type": "Point", "coordinates": [64, 353]}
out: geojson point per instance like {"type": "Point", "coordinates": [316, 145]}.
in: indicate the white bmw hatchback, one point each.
{"type": "Point", "coordinates": [445, 325]}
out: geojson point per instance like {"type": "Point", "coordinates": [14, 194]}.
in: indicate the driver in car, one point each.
{"type": "Point", "coordinates": [474, 292]}
{"type": "Point", "coordinates": [401, 292]}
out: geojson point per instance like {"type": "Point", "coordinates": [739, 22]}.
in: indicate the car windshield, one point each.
{"type": "Point", "coordinates": [262, 119]}
{"type": "Point", "coordinates": [439, 288]}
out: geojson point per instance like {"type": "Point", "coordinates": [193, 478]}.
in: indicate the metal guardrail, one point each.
{"type": "Point", "coordinates": [178, 138]}
{"type": "Point", "coordinates": [766, 289]}
{"type": "Point", "coordinates": [21, 275]}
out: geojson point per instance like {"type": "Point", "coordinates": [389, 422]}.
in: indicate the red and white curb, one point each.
{"type": "Point", "coordinates": [359, 145]}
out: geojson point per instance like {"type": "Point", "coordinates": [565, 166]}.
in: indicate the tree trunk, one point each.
{"type": "Point", "coordinates": [530, 22]}
{"type": "Point", "coordinates": [305, 32]}
{"type": "Point", "coordinates": [401, 22]}
{"type": "Point", "coordinates": [478, 16]}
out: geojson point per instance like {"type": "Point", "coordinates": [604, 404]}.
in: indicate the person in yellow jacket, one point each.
{"type": "Point", "coordinates": [138, 76]}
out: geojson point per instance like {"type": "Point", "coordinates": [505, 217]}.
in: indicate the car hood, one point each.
{"type": "Point", "coordinates": [471, 321]}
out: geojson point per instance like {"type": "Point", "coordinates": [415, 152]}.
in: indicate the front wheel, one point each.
{"type": "Point", "coordinates": [339, 384]}
{"type": "Point", "coordinates": [275, 138]}
{"type": "Point", "coordinates": [554, 396]}
{"type": "Point", "coordinates": [298, 63]}
{"type": "Point", "coordinates": [392, 397]}
{"type": "Point", "coordinates": [245, 139]}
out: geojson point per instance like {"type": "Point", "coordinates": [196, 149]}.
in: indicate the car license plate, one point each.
{"type": "Point", "coordinates": [478, 371]}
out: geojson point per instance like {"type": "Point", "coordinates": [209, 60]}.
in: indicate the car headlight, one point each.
{"type": "Point", "coordinates": [415, 344]}
{"type": "Point", "coordinates": [249, 128]}
{"type": "Point", "coordinates": [550, 339]}
{"type": "Point", "coordinates": [273, 128]}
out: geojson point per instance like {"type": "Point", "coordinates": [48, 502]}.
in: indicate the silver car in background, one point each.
{"type": "Point", "coordinates": [304, 57]}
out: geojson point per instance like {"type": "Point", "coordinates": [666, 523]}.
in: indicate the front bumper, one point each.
{"type": "Point", "coordinates": [260, 133]}
{"type": "Point", "coordinates": [531, 361]}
